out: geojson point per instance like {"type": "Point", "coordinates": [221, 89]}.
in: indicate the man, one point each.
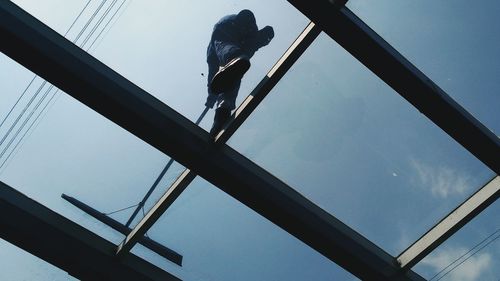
{"type": "Point", "coordinates": [235, 39]}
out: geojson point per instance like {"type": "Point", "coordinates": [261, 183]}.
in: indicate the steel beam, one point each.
{"type": "Point", "coordinates": [65, 244]}
{"type": "Point", "coordinates": [145, 241]}
{"type": "Point", "coordinates": [158, 179]}
{"type": "Point", "coordinates": [464, 213]}
{"type": "Point", "coordinates": [72, 70]}
{"type": "Point", "coordinates": [297, 48]}
{"type": "Point", "coordinates": [383, 60]}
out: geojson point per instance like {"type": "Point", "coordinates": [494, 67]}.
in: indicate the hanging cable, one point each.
{"type": "Point", "coordinates": [466, 253]}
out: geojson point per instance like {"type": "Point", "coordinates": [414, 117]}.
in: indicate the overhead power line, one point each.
{"type": "Point", "coordinates": [32, 80]}
{"type": "Point", "coordinates": [39, 115]}
{"type": "Point", "coordinates": [474, 250]}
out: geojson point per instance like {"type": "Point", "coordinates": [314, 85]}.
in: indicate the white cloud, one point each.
{"type": "Point", "coordinates": [441, 181]}
{"type": "Point", "coordinates": [467, 271]}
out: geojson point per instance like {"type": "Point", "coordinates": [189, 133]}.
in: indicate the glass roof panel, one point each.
{"type": "Point", "coordinates": [221, 239]}
{"type": "Point", "coordinates": [473, 253]}
{"type": "Point", "coordinates": [52, 144]}
{"type": "Point", "coordinates": [340, 136]}
{"type": "Point", "coordinates": [171, 174]}
{"type": "Point", "coordinates": [161, 45]}
{"type": "Point", "coordinates": [453, 43]}
{"type": "Point", "coordinates": [20, 265]}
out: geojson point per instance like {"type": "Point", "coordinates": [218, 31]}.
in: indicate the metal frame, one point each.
{"type": "Point", "coordinates": [297, 48]}
{"type": "Point", "coordinates": [145, 241]}
{"type": "Point", "coordinates": [450, 224]}
{"type": "Point", "coordinates": [40, 49]}
{"type": "Point", "coordinates": [65, 244]}
{"type": "Point", "coordinates": [383, 60]}
{"type": "Point", "coordinates": [158, 179]}
{"type": "Point", "coordinates": [57, 60]}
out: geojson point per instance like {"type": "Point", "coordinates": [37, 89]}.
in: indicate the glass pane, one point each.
{"type": "Point", "coordinates": [60, 14]}
{"type": "Point", "coordinates": [340, 136]}
{"type": "Point", "coordinates": [20, 265]}
{"type": "Point", "coordinates": [51, 144]}
{"type": "Point", "coordinates": [221, 239]}
{"type": "Point", "coordinates": [452, 42]}
{"type": "Point", "coordinates": [171, 174]}
{"type": "Point", "coordinates": [473, 253]}
{"type": "Point", "coordinates": [161, 45]}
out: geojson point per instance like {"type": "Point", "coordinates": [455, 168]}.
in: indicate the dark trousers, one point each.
{"type": "Point", "coordinates": [221, 53]}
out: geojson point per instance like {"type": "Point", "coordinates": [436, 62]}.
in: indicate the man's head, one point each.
{"type": "Point", "coordinates": [245, 16]}
{"type": "Point", "coordinates": [246, 22]}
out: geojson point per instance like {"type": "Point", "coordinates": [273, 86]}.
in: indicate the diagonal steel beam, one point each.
{"type": "Point", "coordinates": [63, 64]}
{"type": "Point", "coordinates": [450, 224]}
{"type": "Point", "coordinates": [297, 48]}
{"type": "Point", "coordinates": [158, 179]}
{"type": "Point", "coordinates": [65, 244]}
{"type": "Point", "coordinates": [116, 225]}
{"type": "Point", "coordinates": [383, 60]}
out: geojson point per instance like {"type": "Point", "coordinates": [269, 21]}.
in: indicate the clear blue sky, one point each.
{"type": "Point", "coordinates": [331, 129]}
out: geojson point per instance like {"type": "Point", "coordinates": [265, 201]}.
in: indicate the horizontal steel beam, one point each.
{"type": "Point", "coordinates": [145, 241]}
{"type": "Point", "coordinates": [286, 61]}
{"type": "Point", "coordinates": [72, 70]}
{"type": "Point", "coordinates": [383, 60]}
{"type": "Point", "coordinates": [65, 244]}
{"type": "Point", "coordinates": [464, 213]}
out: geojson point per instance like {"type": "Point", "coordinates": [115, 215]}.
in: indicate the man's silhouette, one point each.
{"type": "Point", "coordinates": [235, 39]}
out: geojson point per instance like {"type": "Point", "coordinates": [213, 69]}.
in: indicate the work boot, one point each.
{"type": "Point", "coordinates": [220, 118]}
{"type": "Point", "coordinates": [229, 74]}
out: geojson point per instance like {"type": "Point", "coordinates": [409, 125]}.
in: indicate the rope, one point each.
{"type": "Point", "coordinates": [120, 210]}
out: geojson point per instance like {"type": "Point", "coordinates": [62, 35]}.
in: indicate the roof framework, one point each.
{"type": "Point", "coordinates": [54, 58]}
{"type": "Point", "coordinates": [297, 48]}
{"type": "Point", "coordinates": [451, 223]}
{"type": "Point", "coordinates": [65, 244]}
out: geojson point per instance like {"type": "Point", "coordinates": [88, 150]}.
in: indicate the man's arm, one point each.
{"type": "Point", "coordinates": [259, 39]}
{"type": "Point", "coordinates": [264, 36]}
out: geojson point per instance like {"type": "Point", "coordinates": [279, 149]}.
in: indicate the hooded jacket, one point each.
{"type": "Point", "coordinates": [241, 30]}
